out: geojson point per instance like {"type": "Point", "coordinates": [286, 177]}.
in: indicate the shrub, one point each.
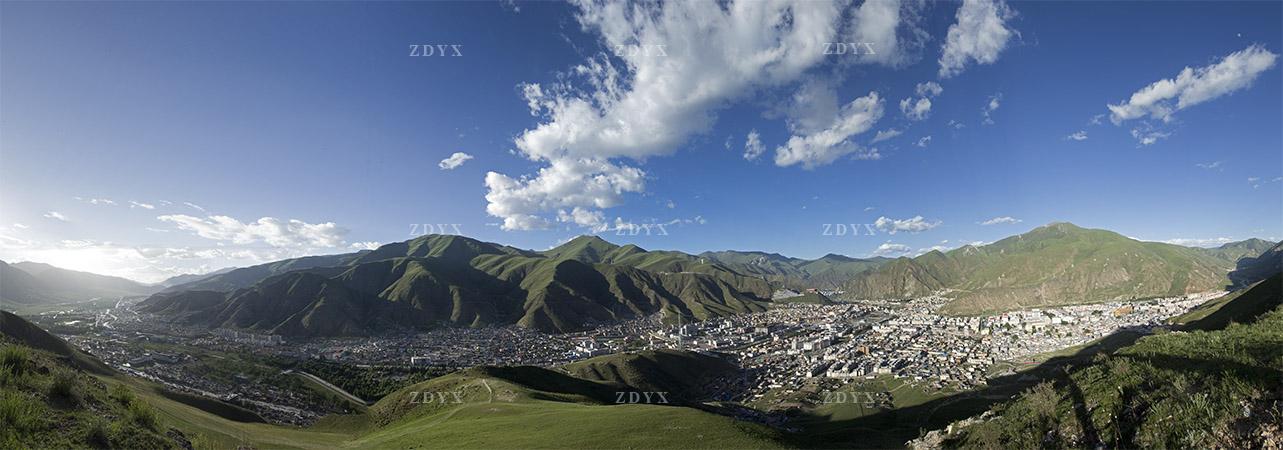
{"type": "Point", "coordinates": [65, 387]}
{"type": "Point", "coordinates": [121, 394]}
{"type": "Point", "coordinates": [14, 359]}
{"type": "Point", "coordinates": [17, 412]}
{"type": "Point", "coordinates": [98, 436]}
{"type": "Point", "coordinates": [142, 414]}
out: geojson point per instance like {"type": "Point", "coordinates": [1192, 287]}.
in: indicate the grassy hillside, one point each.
{"type": "Point", "coordinates": [452, 280]}
{"type": "Point", "coordinates": [527, 407]}
{"type": "Point", "coordinates": [678, 373]}
{"type": "Point", "coordinates": [46, 402]}
{"type": "Point", "coordinates": [828, 272]}
{"type": "Point", "coordinates": [1051, 265]}
{"type": "Point", "coordinates": [1199, 389]}
{"type": "Point", "coordinates": [1239, 306]}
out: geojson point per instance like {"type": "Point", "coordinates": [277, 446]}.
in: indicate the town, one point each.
{"type": "Point", "coordinates": [780, 351]}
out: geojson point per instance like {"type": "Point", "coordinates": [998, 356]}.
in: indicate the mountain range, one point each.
{"type": "Point", "coordinates": [1055, 264]}
{"type": "Point", "coordinates": [453, 280]}
{"type": "Point", "coordinates": [446, 280]}
{"type": "Point", "coordinates": [31, 283]}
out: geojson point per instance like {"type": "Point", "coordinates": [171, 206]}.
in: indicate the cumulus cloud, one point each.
{"type": "Point", "coordinates": [1001, 220]}
{"type": "Point", "coordinates": [694, 59]}
{"type": "Point", "coordinates": [364, 245]}
{"type": "Point", "coordinates": [916, 110]}
{"type": "Point", "coordinates": [889, 249]}
{"type": "Point", "coordinates": [753, 147]}
{"type": "Point", "coordinates": [272, 231]}
{"type": "Point", "coordinates": [912, 225]}
{"type": "Point", "coordinates": [980, 34]}
{"type": "Point", "coordinates": [920, 108]}
{"type": "Point", "coordinates": [1192, 86]}
{"type": "Point", "coordinates": [891, 28]}
{"type": "Point", "coordinates": [815, 148]}
{"type": "Point", "coordinates": [454, 161]}
{"type": "Point", "coordinates": [565, 183]}
{"type": "Point", "coordinates": [1080, 135]}
{"type": "Point", "coordinates": [924, 141]}
{"type": "Point", "coordinates": [994, 102]}
{"type": "Point", "coordinates": [55, 215]}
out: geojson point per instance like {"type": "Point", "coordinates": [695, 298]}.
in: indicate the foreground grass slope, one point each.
{"type": "Point", "coordinates": [1209, 388]}
{"type": "Point", "coordinates": [54, 396]}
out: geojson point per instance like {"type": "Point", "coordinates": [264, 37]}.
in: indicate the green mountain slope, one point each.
{"type": "Point", "coordinates": [246, 276]}
{"type": "Point", "coordinates": [529, 407]}
{"type": "Point", "coordinates": [1054, 264]}
{"type": "Point", "coordinates": [831, 271]}
{"type": "Point", "coordinates": [28, 283]}
{"type": "Point", "coordinates": [1250, 269]}
{"type": "Point", "coordinates": [679, 374]}
{"type": "Point", "coordinates": [452, 280]}
{"type": "Point", "coordinates": [1241, 306]}
{"type": "Point", "coordinates": [1212, 388]}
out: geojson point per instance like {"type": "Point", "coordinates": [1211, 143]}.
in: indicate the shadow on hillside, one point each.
{"type": "Point", "coordinates": [892, 428]}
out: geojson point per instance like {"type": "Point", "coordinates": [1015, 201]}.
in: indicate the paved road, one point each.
{"type": "Point", "coordinates": [336, 389]}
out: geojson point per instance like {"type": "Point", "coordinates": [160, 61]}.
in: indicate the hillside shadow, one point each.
{"type": "Point", "coordinates": [892, 428]}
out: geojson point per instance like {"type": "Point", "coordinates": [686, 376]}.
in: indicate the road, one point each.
{"type": "Point", "coordinates": [327, 385]}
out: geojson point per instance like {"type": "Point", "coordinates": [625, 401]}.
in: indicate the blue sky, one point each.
{"type": "Point", "coordinates": [300, 128]}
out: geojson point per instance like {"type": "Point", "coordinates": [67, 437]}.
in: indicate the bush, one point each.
{"type": "Point", "coordinates": [13, 359]}
{"type": "Point", "coordinates": [98, 436]}
{"type": "Point", "coordinates": [121, 394]}
{"type": "Point", "coordinates": [142, 414]}
{"type": "Point", "coordinates": [65, 387]}
{"type": "Point", "coordinates": [17, 413]}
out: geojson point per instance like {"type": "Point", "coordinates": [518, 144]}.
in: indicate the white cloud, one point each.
{"type": "Point", "coordinates": [994, 102]}
{"type": "Point", "coordinates": [566, 183]}
{"type": "Point", "coordinates": [1148, 136]}
{"type": "Point", "coordinates": [753, 147]}
{"type": "Point", "coordinates": [1192, 86]}
{"type": "Point", "coordinates": [916, 110]}
{"type": "Point", "coordinates": [912, 225]}
{"type": "Point", "coordinates": [272, 231]}
{"type": "Point", "coordinates": [886, 134]}
{"type": "Point", "coordinates": [1199, 242]}
{"type": "Point", "coordinates": [698, 58]}
{"type": "Point", "coordinates": [20, 226]}
{"type": "Point", "coordinates": [364, 245]}
{"type": "Point", "coordinates": [921, 108]}
{"type": "Point", "coordinates": [924, 141]}
{"type": "Point", "coordinates": [1001, 220]}
{"type": "Point", "coordinates": [134, 204]}
{"type": "Point", "coordinates": [454, 161]}
{"type": "Point", "coordinates": [1077, 136]}
{"type": "Point", "coordinates": [97, 201]}
{"type": "Point", "coordinates": [1209, 166]}
{"type": "Point", "coordinates": [820, 147]}
{"type": "Point", "coordinates": [978, 37]}
{"type": "Point", "coordinates": [194, 206]}
{"type": "Point", "coordinates": [56, 216]}
{"type": "Point", "coordinates": [890, 28]}
{"type": "Point", "coordinates": [888, 249]}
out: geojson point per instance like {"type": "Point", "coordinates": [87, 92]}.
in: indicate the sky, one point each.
{"type": "Point", "coordinates": [150, 139]}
